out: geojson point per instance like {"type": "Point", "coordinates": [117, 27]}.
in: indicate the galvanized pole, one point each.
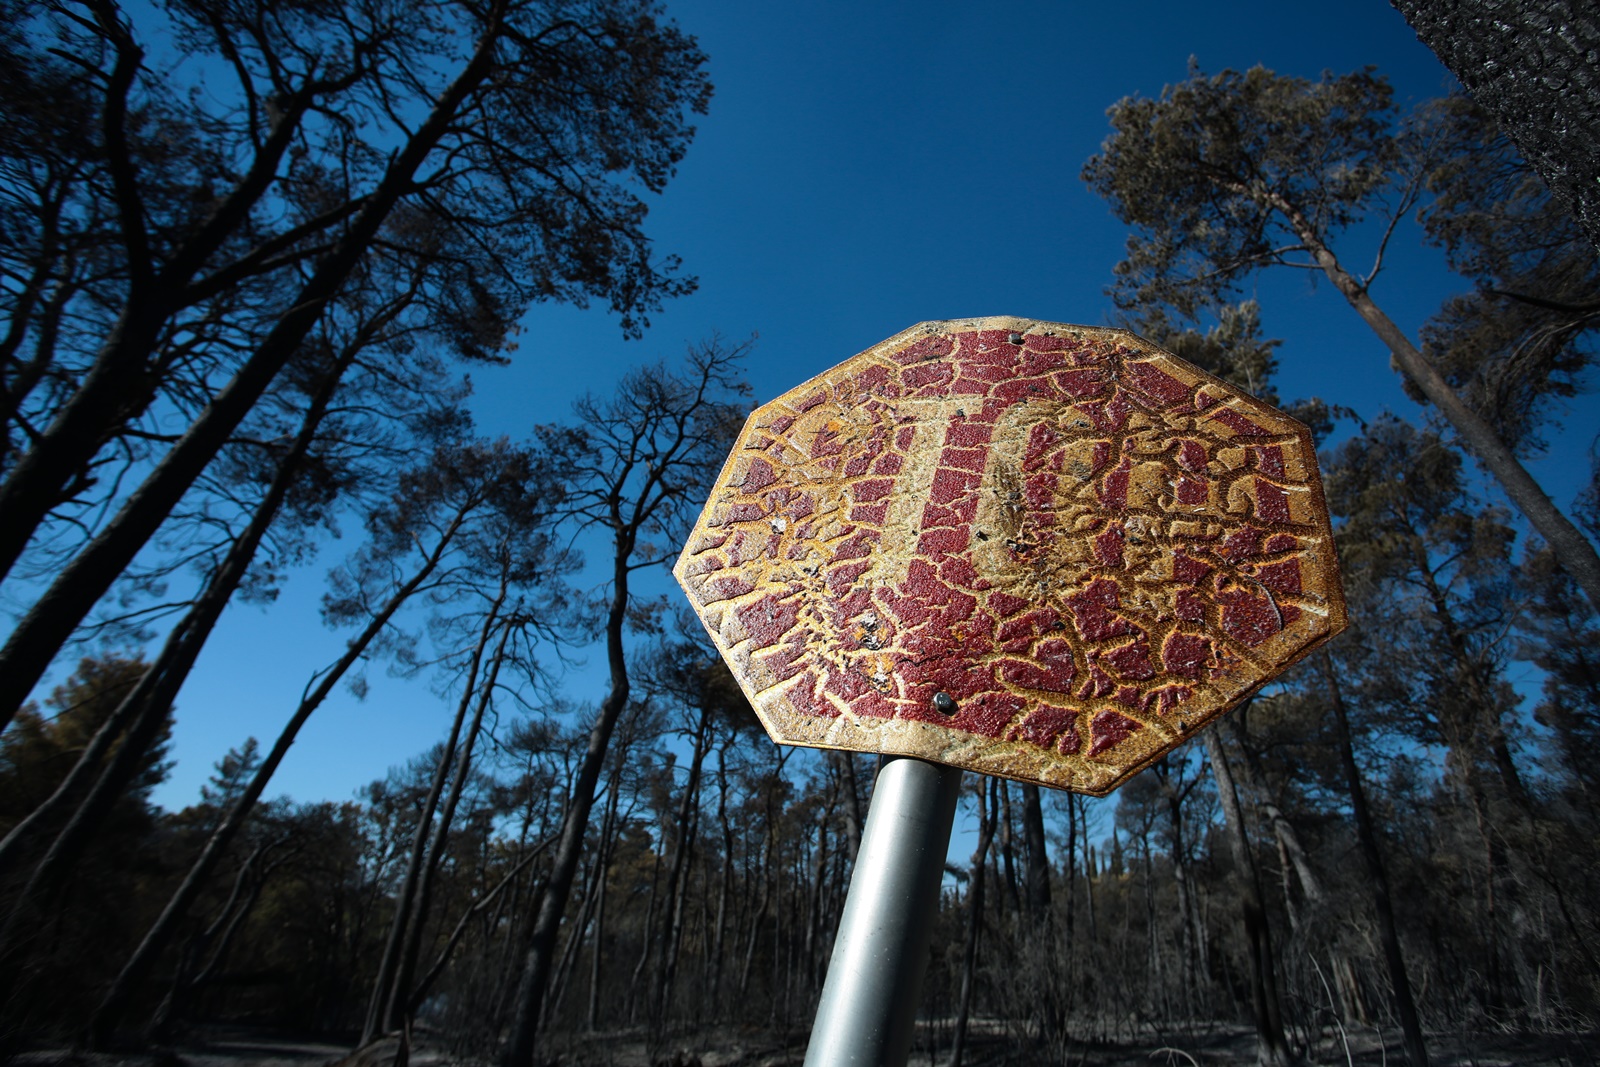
{"type": "Point", "coordinates": [880, 955]}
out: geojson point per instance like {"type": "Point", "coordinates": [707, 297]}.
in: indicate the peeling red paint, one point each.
{"type": "Point", "coordinates": [1156, 383]}
{"type": "Point", "coordinates": [1248, 619]}
{"type": "Point", "coordinates": [1269, 461]}
{"type": "Point", "coordinates": [1238, 423]}
{"type": "Point", "coordinates": [1114, 490]}
{"type": "Point", "coordinates": [1272, 503]}
{"type": "Point", "coordinates": [1094, 611]}
{"type": "Point", "coordinates": [1193, 491]}
{"type": "Point", "coordinates": [1186, 654]}
{"type": "Point", "coordinates": [1049, 727]}
{"type": "Point", "coordinates": [1131, 661]}
{"type": "Point", "coordinates": [1108, 546]}
{"type": "Point", "coordinates": [1109, 728]}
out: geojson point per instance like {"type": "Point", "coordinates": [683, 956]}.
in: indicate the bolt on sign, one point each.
{"type": "Point", "coordinates": [1028, 549]}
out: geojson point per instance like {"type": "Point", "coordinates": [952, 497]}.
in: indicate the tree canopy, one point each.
{"type": "Point", "coordinates": [307, 165]}
{"type": "Point", "coordinates": [1230, 173]}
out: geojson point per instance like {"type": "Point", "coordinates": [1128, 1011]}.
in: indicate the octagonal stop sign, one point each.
{"type": "Point", "coordinates": [1029, 549]}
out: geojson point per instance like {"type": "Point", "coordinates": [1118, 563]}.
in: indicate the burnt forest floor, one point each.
{"type": "Point", "coordinates": [989, 1045]}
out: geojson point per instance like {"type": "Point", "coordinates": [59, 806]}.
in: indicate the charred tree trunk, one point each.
{"type": "Point", "coordinates": [379, 1020]}
{"type": "Point", "coordinates": [594, 902]}
{"type": "Point", "coordinates": [594, 908]}
{"type": "Point", "coordinates": [423, 987]}
{"type": "Point", "coordinates": [987, 815]}
{"type": "Point", "coordinates": [124, 377]}
{"type": "Point", "coordinates": [677, 876]}
{"type": "Point", "coordinates": [1091, 869]}
{"type": "Point", "coordinates": [1292, 853]}
{"type": "Point", "coordinates": [553, 902]}
{"type": "Point", "coordinates": [215, 938]}
{"type": "Point", "coordinates": [852, 806]}
{"type": "Point", "coordinates": [725, 889]}
{"type": "Point", "coordinates": [1575, 551]}
{"type": "Point", "coordinates": [648, 941]}
{"type": "Point", "coordinates": [1388, 931]}
{"type": "Point", "coordinates": [592, 1015]}
{"type": "Point", "coordinates": [48, 624]}
{"type": "Point", "coordinates": [593, 886]}
{"type": "Point", "coordinates": [1011, 890]}
{"type": "Point", "coordinates": [137, 720]}
{"type": "Point", "coordinates": [1038, 870]}
{"type": "Point", "coordinates": [608, 837]}
{"type": "Point", "coordinates": [159, 934]}
{"type": "Point", "coordinates": [1272, 1049]}
{"type": "Point", "coordinates": [400, 994]}
{"type": "Point", "coordinates": [1189, 931]}
{"type": "Point", "coordinates": [1532, 64]}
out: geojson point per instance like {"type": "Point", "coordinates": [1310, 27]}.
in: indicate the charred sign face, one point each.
{"type": "Point", "coordinates": [1029, 549]}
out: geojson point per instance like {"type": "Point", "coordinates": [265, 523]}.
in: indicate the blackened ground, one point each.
{"type": "Point", "coordinates": [989, 1045]}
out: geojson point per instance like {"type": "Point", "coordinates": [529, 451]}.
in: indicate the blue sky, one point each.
{"type": "Point", "coordinates": [866, 166]}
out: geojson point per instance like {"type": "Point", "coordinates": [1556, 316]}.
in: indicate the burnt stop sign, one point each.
{"type": "Point", "coordinates": [1029, 549]}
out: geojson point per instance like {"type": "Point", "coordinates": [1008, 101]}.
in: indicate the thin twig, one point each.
{"type": "Point", "coordinates": [1332, 1009]}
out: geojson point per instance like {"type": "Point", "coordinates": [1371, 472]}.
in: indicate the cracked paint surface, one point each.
{"type": "Point", "coordinates": [1092, 546]}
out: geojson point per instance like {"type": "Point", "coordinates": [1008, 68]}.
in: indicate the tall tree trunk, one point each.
{"type": "Point", "coordinates": [1272, 1050]}
{"type": "Point", "coordinates": [809, 954]}
{"type": "Point", "coordinates": [1290, 848]}
{"type": "Point", "coordinates": [124, 378]}
{"type": "Point", "coordinates": [987, 815]}
{"type": "Point", "coordinates": [592, 1015]}
{"type": "Point", "coordinates": [553, 903]}
{"type": "Point", "coordinates": [1038, 873]}
{"type": "Point", "coordinates": [139, 718]}
{"type": "Point", "coordinates": [49, 623]}
{"type": "Point", "coordinates": [726, 888]}
{"type": "Point", "coordinates": [425, 985]}
{"type": "Point", "coordinates": [1483, 728]}
{"type": "Point", "coordinates": [1575, 551]}
{"type": "Point", "coordinates": [185, 979]}
{"type": "Point", "coordinates": [765, 868]}
{"type": "Point", "coordinates": [852, 804]}
{"type": "Point", "coordinates": [1011, 890]}
{"type": "Point", "coordinates": [379, 1020]}
{"type": "Point", "coordinates": [594, 882]}
{"type": "Point", "coordinates": [140, 714]}
{"type": "Point", "coordinates": [608, 824]}
{"type": "Point", "coordinates": [647, 943]}
{"type": "Point", "coordinates": [1530, 63]}
{"type": "Point", "coordinates": [1190, 931]}
{"type": "Point", "coordinates": [1293, 851]}
{"type": "Point", "coordinates": [1091, 869]}
{"type": "Point", "coordinates": [160, 933]}
{"type": "Point", "coordinates": [594, 899]}
{"type": "Point", "coordinates": [1072, 864]}
{"type": "Point", "coordinates": [1486, 712]}
{"type": "Point", "coordinates": [400, 995]}
{"type": "Point", "coordinates": [1388, 931]}
{"type": "Point", "coordinates": [677, 877]}
{"type": "Point", "coordinates": [610, 827]}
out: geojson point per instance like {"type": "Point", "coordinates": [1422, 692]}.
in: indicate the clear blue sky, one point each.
{"type": "Point", "coordinates": [866, 166]}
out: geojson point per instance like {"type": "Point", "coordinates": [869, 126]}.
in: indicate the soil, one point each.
{"type": "Point", "coordinates": [989, 1046]}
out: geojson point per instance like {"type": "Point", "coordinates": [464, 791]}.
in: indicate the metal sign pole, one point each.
{"type": "Point", "coordinates": [880, 955]}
